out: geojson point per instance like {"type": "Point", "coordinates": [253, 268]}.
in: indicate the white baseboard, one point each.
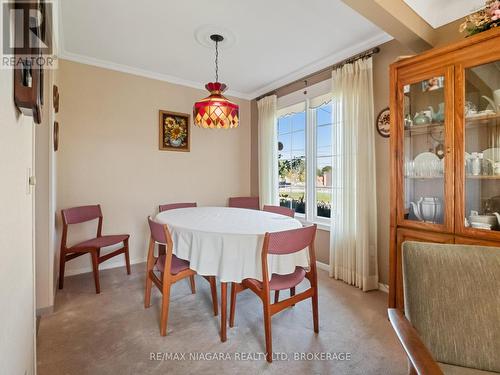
{"type": "Point", "coordinates": [326, 267]}
{"type": "Point", "coordinates": [45, 310]}
{"type": "Point", "coordinates": [383, 287]}
{"type": "Point", "coordinates": [323, 266]}
{"type": "Point", "coordinates": [77, 271]}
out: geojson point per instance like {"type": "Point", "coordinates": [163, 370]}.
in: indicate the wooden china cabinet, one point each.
{"type": "Point", "coordinates": [445, 148]}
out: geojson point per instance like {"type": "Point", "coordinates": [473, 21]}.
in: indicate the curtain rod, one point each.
{"type": "Point", "coordinates": [362, 55]}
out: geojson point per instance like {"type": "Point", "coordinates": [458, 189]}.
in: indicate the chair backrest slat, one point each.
{"type": "Point", "coordinates": [173, 206]}
{"type": "Point", "coordinates": [280, 210]}
{"type": "Point", "coordinates": [157, 231]}
{"type": "Point", "coordinates": [245, 202]}
{"type": "Point", "coordinates": [291, 241]}
{"type": "Point", "coordinates": [81, 214]}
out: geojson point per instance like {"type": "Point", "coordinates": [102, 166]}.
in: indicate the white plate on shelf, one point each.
{"type": "Point", "coordinates": [492, 154]}
{"type": "Point", "coordinates": [481, 226]}
{"type": "Point", "coordinates": [485, 113]}
{"type": "Point", "coordinates": [427, 164]}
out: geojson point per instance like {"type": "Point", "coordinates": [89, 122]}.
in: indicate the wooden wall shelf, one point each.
{"type": "Point", "coordinates": [424, 129]}
{"type": "Point", "coordinates": [482, 119]}
{"type": "Point", "coordinates": [424, 178]}
{"type": "Point", "coordinates": [472, 177]}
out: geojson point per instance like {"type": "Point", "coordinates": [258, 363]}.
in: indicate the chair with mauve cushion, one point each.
{"type": "Point", "coordinates": [251, 203]}
{"type": "Point", "coordinates": [279, 210]}
{"type": "Point", "coordinates": [169, 267]}
{"type": "Point", "coordinates": [161, 249]}
{"type": "Point", "coordinates": [282, 243]}
{"type": "Point", "coordinates": [78, 215]}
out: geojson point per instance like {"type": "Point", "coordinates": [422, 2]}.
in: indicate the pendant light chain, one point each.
{"type": "Point", "coordinates": [216, 61]}
{"type": "Point", "coordinates": [216, 111]}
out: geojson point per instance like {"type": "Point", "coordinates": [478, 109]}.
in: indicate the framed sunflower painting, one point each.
{"type": "Point", "coordinates": [174, 131]}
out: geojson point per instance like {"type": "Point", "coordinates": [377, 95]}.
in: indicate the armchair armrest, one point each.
{"type": "Point", "coordinates": [419, 356]}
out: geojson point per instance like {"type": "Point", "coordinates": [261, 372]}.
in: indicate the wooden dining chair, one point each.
{"type": "Point", "coordinates": [210, 279]}
{"type": "Point", "coordinates": [170, 268]}
{"type": "Point", "coordinates": [282, 243]}
{"type": "Point", "coordinates": [279, 210]}
{"type": "Point", "coordinates": [251, 203]}
{"type": "Point", "coordinates": [78, 215]}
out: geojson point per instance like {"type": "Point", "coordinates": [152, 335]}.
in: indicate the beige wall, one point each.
{"type": "Point", "coordinates": [322, 246]}
{"type": "Point", "coordinates": [449, 33]}
{"type": "Point", "coordinates": [44, 215]}
{"type": "Point", "coordinates": [16, 236]}
{"type": "Point", "coordinates": [109, 152]}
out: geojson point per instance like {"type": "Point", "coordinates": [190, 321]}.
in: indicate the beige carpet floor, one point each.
{"type": "Point", "coordinates": [112, 333]}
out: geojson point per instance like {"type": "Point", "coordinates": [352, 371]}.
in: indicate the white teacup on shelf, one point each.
{"type": "Point", "coordinates": [481, 226]}
{"type": "Point", "coordinates": [496, 168]}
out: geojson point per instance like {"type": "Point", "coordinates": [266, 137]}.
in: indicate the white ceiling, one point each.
{"type": "Point", "coordinates": [440, 12]}
{"type": "Point", "coordinates": [273, 42]}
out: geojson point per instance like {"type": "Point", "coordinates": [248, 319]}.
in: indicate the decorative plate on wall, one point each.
{"type": "Point", "coordinates": [55, 98]}
{"type": "Point", "coordinates": [56, 136]}
{"type": "Point", "coordinates": [384, 123]}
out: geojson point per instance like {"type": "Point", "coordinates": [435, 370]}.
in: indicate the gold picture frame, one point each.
{"type": "Point", "coordinates": [174, 131]}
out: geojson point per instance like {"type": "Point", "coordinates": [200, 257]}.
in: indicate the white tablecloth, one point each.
{"type": "Point", "coordinates": [227, 242]}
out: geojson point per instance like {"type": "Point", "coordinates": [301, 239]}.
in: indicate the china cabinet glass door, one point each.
{"type": "Point", "coordinates": [426, 158]}
{"type": "Point", "coordinates": [482, 147]}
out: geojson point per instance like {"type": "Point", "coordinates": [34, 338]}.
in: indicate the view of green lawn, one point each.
{"type": "Point", "coordinates": [296, 195]}
{"type": "Point", "coordinates": [292, 173]}
{"type": "Point", "coordinates": [296, 201]}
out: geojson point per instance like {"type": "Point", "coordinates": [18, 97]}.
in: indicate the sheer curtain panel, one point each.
{"type": "Point", "coordinates": [353, 235]}
{"type": "Point", "coordinates": [268, 151]}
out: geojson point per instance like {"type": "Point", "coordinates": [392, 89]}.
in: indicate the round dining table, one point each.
{"type": "Point", "coordinates": [227, 243]}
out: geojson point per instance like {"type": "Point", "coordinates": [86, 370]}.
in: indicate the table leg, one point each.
{"type": "Point", "coordinates": [223, 306]}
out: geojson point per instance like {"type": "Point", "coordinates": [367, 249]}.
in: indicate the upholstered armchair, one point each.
{"type": "Point", "coordinates": [451, 320]}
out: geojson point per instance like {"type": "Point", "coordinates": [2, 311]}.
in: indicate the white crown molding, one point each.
{"type": "Point", "coordinates": [297, 74]}
{"type": "Point", "coordinates": [141, 72]}
{"type": "Point", "coordinates": [324, 63]}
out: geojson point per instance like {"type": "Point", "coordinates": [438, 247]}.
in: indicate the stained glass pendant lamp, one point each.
{"type": "Point", "coordinates": [216, 111]}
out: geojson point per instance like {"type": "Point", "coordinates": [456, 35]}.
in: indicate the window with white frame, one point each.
{"type": "Point", "coordinates": [323, 149]}
{"type": "Point", "coordinates": [292, 161]}
{"type": "Point", "coordinates": [305, 158]}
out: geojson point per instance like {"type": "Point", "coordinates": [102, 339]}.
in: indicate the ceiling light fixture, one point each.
{"type": "Point", "coordinates": [216, 111]}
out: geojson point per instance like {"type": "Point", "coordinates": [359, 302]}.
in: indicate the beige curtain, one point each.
{"type": "Point", "coordinates": [353, 235]}
{"type": "Point", "coordinates": [268, 151]}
